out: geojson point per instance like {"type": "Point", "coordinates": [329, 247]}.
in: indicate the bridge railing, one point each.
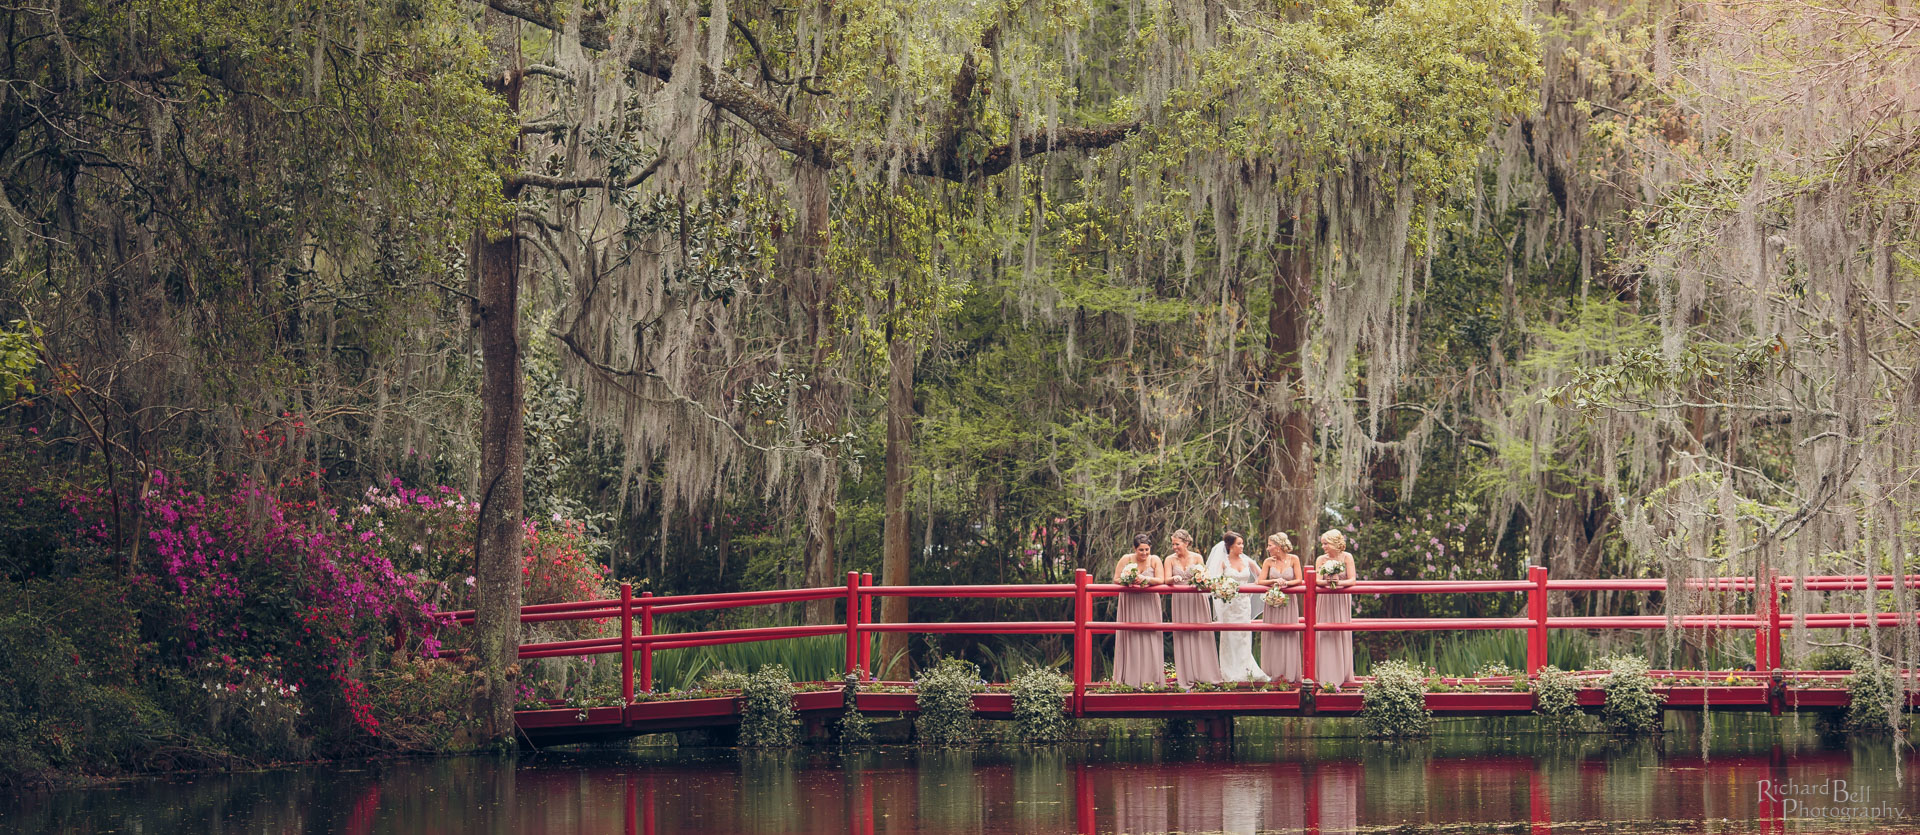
{"type": "Point", "coordinates": [638, 612]}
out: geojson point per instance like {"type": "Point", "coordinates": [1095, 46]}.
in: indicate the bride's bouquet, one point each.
{"type": "Point", "coordinates": [1274, 597]}
{"type": "Point", "coordinates": [1224, 588]}
{"type": "Point", "coordinates": [1131, 578]}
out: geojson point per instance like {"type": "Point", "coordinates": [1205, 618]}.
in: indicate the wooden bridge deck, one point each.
{"type": "Point", "coordinates": [1811, 692]}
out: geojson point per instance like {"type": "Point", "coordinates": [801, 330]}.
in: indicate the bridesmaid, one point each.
{"type": "Point", "coordinates": [1333, 663]}
{"type": "Point", "coordinates": [1195, 656]}
{"type": "Point", "coordinates": [1139, 657]}
{"type": "Point", "coordinates": [1280, 651]}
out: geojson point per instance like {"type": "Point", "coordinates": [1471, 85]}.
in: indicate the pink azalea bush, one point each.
{"type": "Point", "coordinates": [321, 610]}
{"type": "Point", "coordinates": [272, 577]}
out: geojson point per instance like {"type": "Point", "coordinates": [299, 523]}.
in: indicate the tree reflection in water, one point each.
{"type": "Point", "coordinates": [1484, 782]}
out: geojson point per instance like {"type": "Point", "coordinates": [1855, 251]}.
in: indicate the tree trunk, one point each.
{"type": "Point", "coordinates": [1288, 501]}
{"type": "Point", "coordinates": [822, 401]}
{"type": "Point", "coordinates": [893, 563]}
{"type": "Point", "coordinates": [497, 549]}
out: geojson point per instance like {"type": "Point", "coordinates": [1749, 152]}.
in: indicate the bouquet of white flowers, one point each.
{"type": "Point", "coordinates": [1274, 597]}
{"type": "Point", "coordinates": [1132, 577]}
{"type": "Point", "coordinates": [1195, 575]}
{"type": "Point", "coordinates": [1224, 589]}
{"type": "Point", "coordinates": [1334, 569]}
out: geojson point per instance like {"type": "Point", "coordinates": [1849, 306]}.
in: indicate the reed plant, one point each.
{"type": "Point", "coordinates": [812, 658]}
{"type": "Point", "coordinates": [1465, 654]}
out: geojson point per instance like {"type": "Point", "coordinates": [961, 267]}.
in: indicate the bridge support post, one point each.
{"type": "Point", "coordinates": [626, 643]}
{"type": "Point", "coordinates": [1537, 612]}
{"type": "Point", "coordinates": [646, 651]}
{"type": "Point", "coordinates": [853, 622]}
{"type": "Point", "coordinates": [1082, 641]}
{"type": "Point", "coordinates": [1216, 727]}
{"type": "Point", "coordinates": [1309, 633]}
{"type": "Point", "coordinates": [866, 637]}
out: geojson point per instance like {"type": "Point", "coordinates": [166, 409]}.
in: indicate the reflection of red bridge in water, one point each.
{"type": "Point", "coordinates": [1338, 794]}
{"type": "Point", "coordinates": [1766, 688]}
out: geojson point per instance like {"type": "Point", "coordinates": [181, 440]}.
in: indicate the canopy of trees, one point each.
{"type": "Point", "coordinates": [760, 293]}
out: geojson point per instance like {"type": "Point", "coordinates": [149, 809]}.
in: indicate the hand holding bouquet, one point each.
{"type": "Point", "coordinates": [1224, 588]}
{"type": "Point", "coordinates": [1274, 597]}
{"type": "Point", "coordinates": [1131, 577]}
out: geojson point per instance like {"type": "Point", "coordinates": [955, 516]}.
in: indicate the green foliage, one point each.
{"type": "Point", "coordinates": [1632, 707]}
{"type": "Point", "coordinates": [1040, 705]}
{"type": "Point", "coordinates": [1875, 699]}
{"type": "Point", "coordinates": [84, 700]}
{"type": "Point", "coordinates": [812, 658]}
{"type": "Point", "coordinates": [1832, 658]}
{"type": "Point", "coordinates": [1556, 698]}
{"type": "Point", "coordinates": [1469, 653]}
{"type": "Point", "coordinates": [18, 359]}
{"type": "Point", "coordinates": [1411, 87]}
{"type": "Point", "coordinates": [423, 704]}
{"type": "Point", "coordinates": [766, 709]}
{"type": "Point", "coordinates": [1395, 703]}
{"type": "Point", "coordinates": [946, 703]}
{"type": "Point", "coordinates": [723, 680]}
{"type": "Point", "coordinates": [853, 726]}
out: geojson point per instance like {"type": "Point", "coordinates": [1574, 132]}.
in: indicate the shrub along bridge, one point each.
{"type": "Point", "coordinates": [1766, 687]}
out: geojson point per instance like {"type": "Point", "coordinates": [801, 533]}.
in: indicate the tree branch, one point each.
{"type": "Point", "coordinates": [1031, 144]}
{"type": "Point", "coordinates": [771, 121]}
{"type": "Point", "coordinates": [568, 183]}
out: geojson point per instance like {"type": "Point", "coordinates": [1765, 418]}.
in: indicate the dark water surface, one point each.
{"type": "Point", "coordinates": [1273, 778]}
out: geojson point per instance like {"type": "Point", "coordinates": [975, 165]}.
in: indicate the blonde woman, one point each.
{"type": "Point", "coordinates": [1333, 661]}
{"type": "Point", "coordinates": [1280, 651]}
{"type": "Point", "coordinates": [1196, 658]}
{"type": "Point", "coordinates": [1139, 656]}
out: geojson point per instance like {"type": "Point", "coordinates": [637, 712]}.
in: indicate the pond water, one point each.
{"type": "Point", "coordinates": [1757, 776]}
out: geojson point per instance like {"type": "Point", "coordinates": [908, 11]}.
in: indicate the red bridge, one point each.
{"type": "Point", "coordinates": [1765, 688]}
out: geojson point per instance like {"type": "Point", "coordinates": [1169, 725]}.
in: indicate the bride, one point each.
{"type": "Point", "coordinates": [1236, 646]}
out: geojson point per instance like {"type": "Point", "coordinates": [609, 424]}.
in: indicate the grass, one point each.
{"type": "Point", "coordinates": [1463, 654]}
{"type": "Point", "coordinates": [812, 658]}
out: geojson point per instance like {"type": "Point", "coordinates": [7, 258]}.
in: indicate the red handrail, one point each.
{"type": "Point", "coordinates": [858, 625]}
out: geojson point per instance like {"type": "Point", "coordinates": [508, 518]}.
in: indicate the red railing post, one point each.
{"type": "Point", "coordinates": [853, 622]}
{"type": "Point", "coordinates": [1082, 641]}
{"type": "Point", "coordinates": [1537, 612]}
{"type": "Point", "coordinates": [1778, 638]}
{"type": "Point", "coordinates": [1309, 634]}
{"type": "Point", "coordinates": [646, 652]}
{"type": "Point", "coordinates": [866, 637]}
{"type": "Point", "coordinates": [626, 643]}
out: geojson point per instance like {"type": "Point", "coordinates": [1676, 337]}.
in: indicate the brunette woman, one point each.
{"type": "Point", "coordinates": [1139, 656]}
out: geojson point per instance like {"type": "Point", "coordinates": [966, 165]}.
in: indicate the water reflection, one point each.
{"type": "Point", "coordinates": [1272, 779]}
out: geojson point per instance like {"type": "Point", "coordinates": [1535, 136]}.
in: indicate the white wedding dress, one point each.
{"type": "Point", "coordinates": [1236, 647]}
